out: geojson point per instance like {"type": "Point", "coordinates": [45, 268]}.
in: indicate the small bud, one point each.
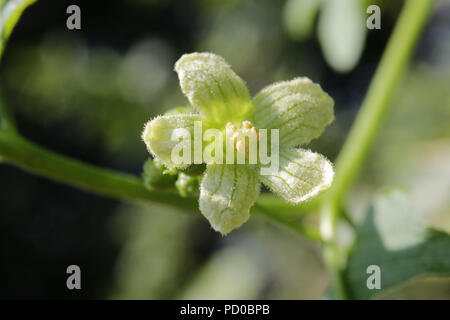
{"type": "Point", "coordinates": [155, 176]}
{"type": "Point", "coordinates": [188, 186]}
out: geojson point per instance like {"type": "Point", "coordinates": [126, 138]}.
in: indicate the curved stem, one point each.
{"type": "Point", "coordinates": [366, 127]}
{"type": "Point", "coordinates": [377, 102]}
{"type": "Point", "coordinates": [285, 220]}
{"type": "Point", "coordinates": [6, 120]}
{"type": "Point", "coordinates": [32, 158]}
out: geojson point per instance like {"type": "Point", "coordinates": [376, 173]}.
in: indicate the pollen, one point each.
{"type": "Point", "coordinates": [238, 135]}
{"type": "Point", "coordinates": [230, 127]}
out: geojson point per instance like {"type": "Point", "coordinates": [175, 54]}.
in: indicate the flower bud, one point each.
{"type": "Point", "coordinates": [188, 186]}
{"type": "Point", "coordinates": [156, 176]}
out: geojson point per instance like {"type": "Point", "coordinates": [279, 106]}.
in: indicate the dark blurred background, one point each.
{"type": "Point", "coordinates": [87, 94]}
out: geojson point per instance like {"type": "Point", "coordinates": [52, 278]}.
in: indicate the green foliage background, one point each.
{"type": "Point", "coordinates": [88, 93]}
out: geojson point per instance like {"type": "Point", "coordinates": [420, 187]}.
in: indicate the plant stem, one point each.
{"type": "Point", "coordinates": [6, 120]}
{"type": "Point", "coordinates": [283, 219]}
{"type": "Point", "coordinates": [32, 158]}
{"type": "Point", "coordinates": [377, 102]}
{"type": "Point", "coordinates": [26, 155]}
{"type": "Point", "coordinates": [366, 127]}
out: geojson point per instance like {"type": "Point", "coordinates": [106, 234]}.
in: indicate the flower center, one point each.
{"type": "Point", "coordinates": [238, 136]}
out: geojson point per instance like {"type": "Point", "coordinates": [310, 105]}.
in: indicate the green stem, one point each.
{"type": "Point", "coordinates": [7, 123]}
{"type": "Point", "coordinates": [274, 204]}
{"type": "Point", "coordinates": [377, 102]}
{"type": "Point", "coordinates": [366, 127]}
{"type": "Point", "coordinates": [32, 158]}
{"type": "Point", "coordinates": [285, 220]}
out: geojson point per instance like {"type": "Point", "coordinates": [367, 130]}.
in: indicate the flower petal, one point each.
{"type": "Point", "coordinates": [302, 174]}
{"type": "Point", "coordinates": [299, 108]}
{"type": "Point", "coordinates": [163, 133]}
{"type": "Point", "coordinates": [227, 192]}
{"type": "Point", "coordinates": [212, 87]}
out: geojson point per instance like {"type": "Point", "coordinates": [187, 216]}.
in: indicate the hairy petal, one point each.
{"type": "Point", "coordinates": [299, 108]}
{"type": "Point", "coordinates": [227, 192]}
{"type": "Point", "coordinates": [159, 134]}
{"type": "Point", "coordinates": [212, 87]}
{"type": "Point", "coordinates": [302, 174]}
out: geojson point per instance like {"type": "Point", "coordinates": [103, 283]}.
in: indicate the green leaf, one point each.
{"type": "Point", "coordinates": [399, 245]}
{"type": "Point", "coordinates": [213, 88]}
{"type": "Point", "coordinates": [10, 11]}
{"type": "Point", "coordinates": [299, 108]}
{"type": "Point", "coordinates": [299, 17]}
{"type": "Point", "coordinates": [227, 192]}
{"type": "Point", "coordinates": [342, 33]}
{"type": "Point", "coordinates": [302, 174]}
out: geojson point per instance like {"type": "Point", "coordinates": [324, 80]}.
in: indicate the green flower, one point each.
{"type": "Point", "coordinates": [299, 109]}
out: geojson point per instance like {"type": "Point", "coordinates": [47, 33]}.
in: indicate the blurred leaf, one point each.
{"type": "Point", "coordinates": [298, 17]}
{"type": "Point", "coordinates": [158, 252]}
{"type": "Point", "coordinates": [342, 31]}
{"type": "Point", "coordinates": [231, 273]}
{"type": "Point", "coordinates": [62, 80]}
{"type": "Point", "coordinates": [402, 247]}
{"type": "Point", "coordinates": [10, 12]}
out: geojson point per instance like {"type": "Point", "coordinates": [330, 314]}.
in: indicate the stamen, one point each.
{"type": "Point", "coordinates": [234, 138]}
{"type": "Point", "coordinates": [230, 127]}
{"type": "Point", "coordinates": [247, 124]}
{"type": "Point", "coordinates": [238, 135]}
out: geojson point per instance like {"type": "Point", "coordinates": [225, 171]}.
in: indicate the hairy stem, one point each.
{"type": "Point", "coordinates": [366, 127]}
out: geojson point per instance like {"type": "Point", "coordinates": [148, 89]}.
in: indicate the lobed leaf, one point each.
{"type": "Point", "coordinates": [399, 245]}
